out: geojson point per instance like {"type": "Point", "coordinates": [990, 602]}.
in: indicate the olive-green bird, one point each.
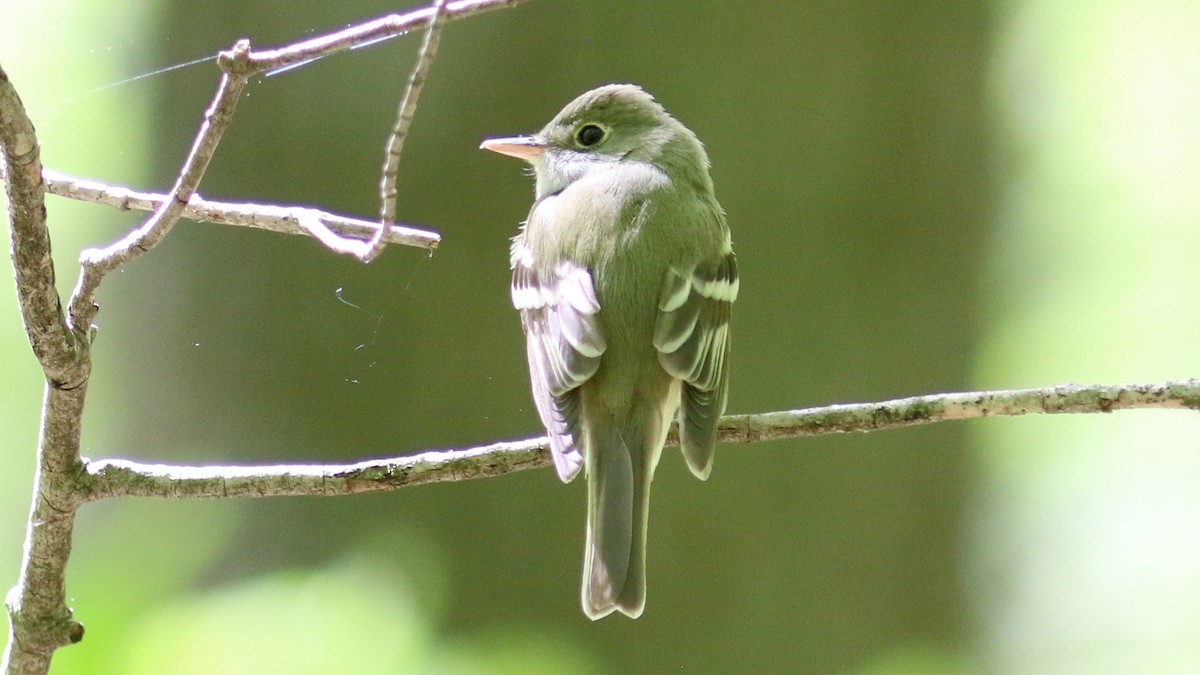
{"type": "Point", "coordinates": [624, 276]}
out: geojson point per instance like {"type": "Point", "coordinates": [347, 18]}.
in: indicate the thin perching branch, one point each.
{"type": "Point", "coordinates": [122, 478]}
{"type": "Point", "coordinates": [285, 219]}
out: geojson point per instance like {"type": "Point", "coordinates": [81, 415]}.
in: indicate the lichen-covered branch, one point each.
{"type": "Point", "coordinates": [39, 620]}
{"type": "Point", "coordinates": [285, 219]}
{"type": "Point", "coordinates": [918, 410]}
{"type": "Point", "coordinates": [56, 347]}
{"type": "Point", "coordinates": [120, 478]}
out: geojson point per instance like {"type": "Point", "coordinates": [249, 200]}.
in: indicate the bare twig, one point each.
{"type": "Point", "coordinates": [369, 249]}
{"type": "Point", "coordinates": [404, 118]}
{"type": "Point", "coordinates": [376, 30]}
{"type": "Point", "coordinates": [120, 478]}
{"type": "Point", "coordinates": [98, 262]}
{"type": "Point", "coordinates": [286, 219]}
{"type": "Point", "coordinates": [339, 234]}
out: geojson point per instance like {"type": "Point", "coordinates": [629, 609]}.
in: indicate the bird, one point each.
{"type": "Point", "coordinates": [624, 276]}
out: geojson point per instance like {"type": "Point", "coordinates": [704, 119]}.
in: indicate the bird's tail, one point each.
{"type": "Point", "coordinates": [620, 465]}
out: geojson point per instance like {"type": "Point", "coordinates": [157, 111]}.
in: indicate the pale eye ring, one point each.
{"type": "Point", "coordinates": [589, 135]}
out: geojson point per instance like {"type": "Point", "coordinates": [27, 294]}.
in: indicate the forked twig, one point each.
{"type": "Point", "coordinates": [98, 262]}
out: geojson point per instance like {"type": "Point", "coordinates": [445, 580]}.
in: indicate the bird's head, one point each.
{"type": "Point", "coordinates": [606, 126]}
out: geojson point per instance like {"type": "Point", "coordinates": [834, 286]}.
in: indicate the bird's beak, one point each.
{"type": "Point", "coordinates": [528, 148]}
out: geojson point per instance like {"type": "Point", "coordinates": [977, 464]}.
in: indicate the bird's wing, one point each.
{"type": "Point", "coordinates": [692, 338]}
{"type": "Point", "coordinates": [564, 343]}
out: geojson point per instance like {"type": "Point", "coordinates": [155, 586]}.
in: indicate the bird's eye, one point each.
{"type": "Point", "coordinates": [589, 135]}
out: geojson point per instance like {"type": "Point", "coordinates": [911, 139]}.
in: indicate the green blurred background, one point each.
{"type": "Point", "coordinates": [925, 196]}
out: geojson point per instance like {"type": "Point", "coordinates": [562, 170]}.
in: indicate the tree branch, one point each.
{"type": "Point", "coordinates": [98, 262]}
{"type": "Point", "coordinates": [393, 25]}
{"type": "Point", "coordinates": [330, 230]}
{"type": "Point", "coordinates": [39, 620]}
{"type": "Point", "coordinates": [404, 118]}
{"type": "Point", "coordinates": [56, 347]}
{"type": "Point", "coordinates": [121, 478]}
{"type": "Point", "coordinates": [285, 219]}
